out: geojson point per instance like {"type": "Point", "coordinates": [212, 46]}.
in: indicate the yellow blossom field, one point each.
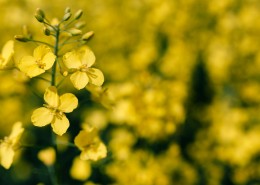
{"type": "Point", "coordinates": [138, 92]}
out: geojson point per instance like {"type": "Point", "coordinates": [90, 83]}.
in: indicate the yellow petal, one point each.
{"type": "Point", "coordinates": [8, 50]}
{"type": "Point", "coordinates": [85, 137]}
{"type": "Point", "coordinates": [41, 117]}
{"type": "Point", "coordinates": [40, 52]}
{"type": "Point", "coordinates": [71, 60]}
{"type": "Point", "coordinates": [79, 79]}
{"type": "Point", "coordinates": [28, 65]}
{"type": "Point", "coordinates": [60, 125]}
{"type": "Point", "coordinates": [6, 155]}
{"type": "Point", "coordinates": [68, 102]}
{"type": "Point", "coordinates": [96, 77]}
{"type": "Point", "coordinates": [80, 169]}
{"type": "Point", "coordinates": [51, 96]}
{"type": "Point", "coordinates": [34, 71]}
{"type": "Point", "coordinates": [16, 133]}
{"type": "Point", "coordinates": [88, 57]}
{"type": "Point", "coordinates": [48, 60]}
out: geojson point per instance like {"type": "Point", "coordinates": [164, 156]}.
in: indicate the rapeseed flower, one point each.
{"type": "Point", "coordinates": [79, 63]}
{"type": "Point", "coordinates": [90, 145]}
{"type": "Point", "coordinates": [9, 144]}
{"type": "Point", "coordinates": [7, 54]}
{"type": "Point", "coordinates": [42, 60]}
{"type": "Point", "coordinates": [80, 170]}
{"type": "Point", "coordinates": [53, 111]}
{"type": "Point", "coordinates": [47, 156]}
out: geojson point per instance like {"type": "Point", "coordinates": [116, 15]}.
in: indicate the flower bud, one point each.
{"type": "Point", "coordinates": [78, 14]}
{"type": "Point", "coordinates": [75, 32]}
{"type": "Point", "coordinates": [21, 38]}
{"type": "Point", "coordinates": [39, 15]}
{"type": "Point", "coordinates": [39, 18]}
{"type": "Point", "coordinates": [80, 24]}
{"type": "Point", "coordinates": [46, 31]}
{"type": "Point", "coordinates": [66, 16]}
{"type": "Point", "coordinates": [87, 36]}
{"type": "Point", "coordinates": [67, 10]}
{"type": "Point", "coordinates": [40, 12]}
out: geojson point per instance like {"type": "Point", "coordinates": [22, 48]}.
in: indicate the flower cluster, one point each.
{"type": "Point", "coordinates": [49, 64]}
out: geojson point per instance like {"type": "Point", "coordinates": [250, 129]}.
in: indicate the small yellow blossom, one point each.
{"type": "Point", "coordinates": [47, 156]}
{"type": "Point", "coordinates": [80, 169]}
{"type": "Point", "coordinates": [7, 54]}
{"type": "Point", "coordinates": [42, 60]}
{"type": "Point", "coordinates": [53, 111]}
{"type": "Point", "coordinates": [9, 144]}
{"type": "Point", "coordinates": [79, 63]}
{"type": "Point", "coordinates": [90, 145]}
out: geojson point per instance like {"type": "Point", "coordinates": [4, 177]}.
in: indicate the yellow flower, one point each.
{"type": "Point", "coordinates": [9, 144]}
{"type": "Point", "coordinates": [90, 145]}
{"type": "Point", "coordinates": [80, 169]}
{"type": "Point", "coordinates": [80, 62]}
{"type": "Point", "coordinates": [7, 54]}
{"type": "Point", "coordinates": [53, 111]}
{"type": "Point", "coordinates": [42, 60]}
{"type": "Point", "coordinates": [47, 156]}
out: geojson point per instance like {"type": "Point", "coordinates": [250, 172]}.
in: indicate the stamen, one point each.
{"type": "Point", "coordinates": [40, 64]}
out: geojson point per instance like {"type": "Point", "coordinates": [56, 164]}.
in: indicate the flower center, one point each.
{"type": "Point", "coordinates": [55, 111]}
{"type": "Point", "coordinates": [83, 68]}
{"type": "Point", "coordinates": [88, 70]}
{"type": "Point", "coordinates": [40, 64]}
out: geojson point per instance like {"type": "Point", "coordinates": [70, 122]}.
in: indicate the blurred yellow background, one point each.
{"type": "Point", "coordinates": [183, 78]}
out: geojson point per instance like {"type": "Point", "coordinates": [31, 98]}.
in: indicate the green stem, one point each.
{"type": "Point", "coordinates": [53, 169]}
{"type": "Point", "coordinates": [56, 51]}
{"type": "Point", "coordinates": [48, 24]}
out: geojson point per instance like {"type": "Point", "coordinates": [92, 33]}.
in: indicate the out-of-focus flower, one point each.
{"type": "Point", "coordinates": [42, 60]}
{"type": "Point", "coordinates": [47, 156]}
{"type": "Point", "coordinates": [53, 111]}
{"type": "Point", "coordinates": [9, 144]}
{"type": "Point", "coordinates": [7, 54]}
{"type": "Point", "coordinates": [79, 63]}
{"type": "Point", "coordinates": [101, 95]}
{"type": "Point", "coordinates": [80, 169]}
{"type": "Point", "coordinates": [90, 145]}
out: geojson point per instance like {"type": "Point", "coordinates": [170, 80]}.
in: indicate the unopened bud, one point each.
{"type": "Point", "coordinates": [21, 38]}
{"type": "Point", "coordinates": [75, 32]}
{"type": "Point", "coordinates": [40, 12]}
{"type": "Point", "coordinates": [67, 10]}
{"type": "Point", "coordinates": [46, 31]}
{"type": "Point", "coordinates": [39, 18]}
{"type": "Point", "coordinates": [87, 36]}
{"type": "Point", "coordinates": [39, 15]}
{"type": "Point", "coordinates": [66, 16]}
{"type": "Point", "coordinates": [80, 25]}
{"type": "Point", "coordinates": [78, 14]}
